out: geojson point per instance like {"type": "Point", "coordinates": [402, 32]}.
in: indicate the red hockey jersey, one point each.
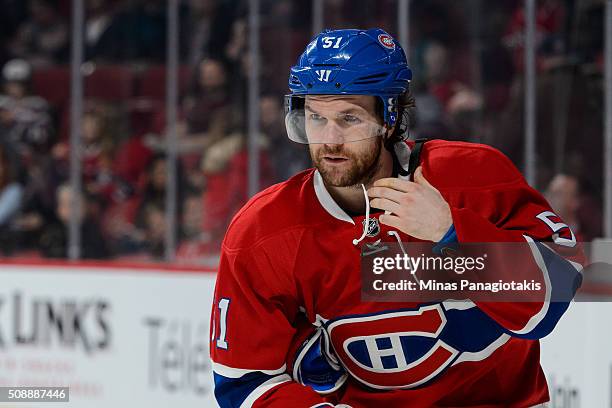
{"type": "Point", "coordinates": [289, 252]}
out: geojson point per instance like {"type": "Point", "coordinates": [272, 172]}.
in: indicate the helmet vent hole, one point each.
{"type": "Point", "coordinates": [371, 79]}
{"type": "Point", "coordinates": [338, 84]}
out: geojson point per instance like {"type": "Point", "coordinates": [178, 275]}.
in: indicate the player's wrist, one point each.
{"type": "Point", "coordinates": [449, 236]}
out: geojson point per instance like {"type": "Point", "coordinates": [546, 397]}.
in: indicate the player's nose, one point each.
{"type": "Point", "coordinates": [332, 134]}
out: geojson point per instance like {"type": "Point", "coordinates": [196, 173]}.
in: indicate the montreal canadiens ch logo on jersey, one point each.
{"type": "Point", "coordinates": [386, 41]}
{"type": "Point", "coordinates": [373, 227]}
{"type": "Point", "coordinates": [393, 350]}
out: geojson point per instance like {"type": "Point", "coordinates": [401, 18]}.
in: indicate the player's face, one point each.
{"type": "Point", "coordinates": [347, 131]}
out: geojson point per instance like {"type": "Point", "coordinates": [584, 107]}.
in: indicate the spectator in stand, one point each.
{"type": "Point", "coordinates": [26, 132]}
{"type": "Point", "coordinates": [138, 227]}
{"type": "Point", "coordinates": [25, 123]}
{"type": "Point", "coordinates": [238, 58]}
{"type": "Point", "coordinates": [550, 41]}
{"type": "Point", "coordinates": [195, 244]}
{"type": "Point", "coordinates": [153, 225]}
{"type": "Point", "coordinates": [191, 221]}
{"type": "Point", "coordinates": [98, 138]}
{"type": "Point", "coordinates": [455, 95]}
{"type": "Point", "coordinates": [11, 191]}
{"type": "Point", "coordinates": [36, 214]}
{"type": "Point", "coordinates": [11, 195]}
{"type": "Point", "coordinates": [43, 38]}
{"type": "Point", "coordinates": [209, 95]}
{"type": "Point", "coordinates": [120, 31]}
{"type": "Point", "coordinates": [97, 155]}
{"type": "Point", "coordinates": [225, 166]}
{"type": "Point", "coordinates": [154, 191]}
{"type": "Point", "coordinates": [446, 103]}
{"type": "Point", "coordinates": [289, 158]}
{"type": "Point", "coordinates": [205, 111]}
{"type": "Point", "coordinates": [209, 26]}
{"type": "Point", "coordinates": [100, 40]}
{"type": "Point", "coordinates": [54, 239]}
{"type": "Point", "coordinates": [237, 44]}
{"type": "Point", "coordinates": [207, 117]}
{"type": "Point", "coordinates": [575, 206]}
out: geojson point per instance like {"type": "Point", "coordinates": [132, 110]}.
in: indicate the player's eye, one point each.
{"type": "Point", "coordinates": [315, 117]}
{"type": "Point", "coordinates": [350, 119]}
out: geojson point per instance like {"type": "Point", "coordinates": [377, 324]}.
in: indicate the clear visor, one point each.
{"type": "Point", "coordinates": [331, 119]}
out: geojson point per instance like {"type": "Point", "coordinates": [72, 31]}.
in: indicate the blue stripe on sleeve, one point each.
{"type": "Point", "coordinates": [564, 281]}
{"type": "Point", "coordinates": [231, 392]}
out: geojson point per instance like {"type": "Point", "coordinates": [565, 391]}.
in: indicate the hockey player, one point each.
{"type": "Point", "coordinates": [288, 327]}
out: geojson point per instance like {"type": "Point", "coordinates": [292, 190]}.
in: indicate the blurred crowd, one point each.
{"type": "Point", "coordinates": [467, 59]}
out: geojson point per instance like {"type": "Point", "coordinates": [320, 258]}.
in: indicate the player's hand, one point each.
{"type": "Point", "coordinates": [414, 208]}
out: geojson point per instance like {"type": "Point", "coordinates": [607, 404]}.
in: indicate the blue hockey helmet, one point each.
{"type": "Point", "coordinates": [351, 62]}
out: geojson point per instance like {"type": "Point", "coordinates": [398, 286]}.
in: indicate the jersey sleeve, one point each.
{"type": "Point", "coordinates": [514, 212]}
{"type": "Point", "coordinates": [252, 330]}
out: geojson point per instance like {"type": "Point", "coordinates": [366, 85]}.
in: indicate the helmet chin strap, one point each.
{"type": "Point", "coordinates": [398, 170]}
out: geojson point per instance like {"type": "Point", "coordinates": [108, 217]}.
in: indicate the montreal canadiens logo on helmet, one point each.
{"type": "Point", "coordinates": [386, 41]}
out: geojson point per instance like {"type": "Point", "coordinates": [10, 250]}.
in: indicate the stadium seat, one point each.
{"type": "Point", "coordinates": [53, 84]}
{"type": "Point", "coordinates": [152, 82]}
{"type": "Point", "coordinates": [144, 115]}
{"type": "Point", "coordinates": [110, 83]}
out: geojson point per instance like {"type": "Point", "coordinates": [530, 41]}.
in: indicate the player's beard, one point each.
{"type": "Point", "coordinates": [362, 170]}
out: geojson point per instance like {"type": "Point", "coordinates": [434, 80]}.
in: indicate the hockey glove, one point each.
{"type": "Point", "coordinates": [316, 365]}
